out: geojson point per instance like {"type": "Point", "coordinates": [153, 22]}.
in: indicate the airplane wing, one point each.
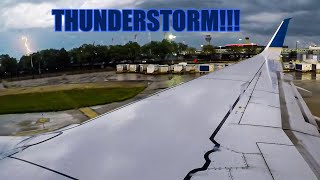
{"type": "Point", "coordinates": [247, 121]}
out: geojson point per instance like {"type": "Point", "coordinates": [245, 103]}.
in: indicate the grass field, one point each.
{"type": "Point", "coordinates": [64, 98]}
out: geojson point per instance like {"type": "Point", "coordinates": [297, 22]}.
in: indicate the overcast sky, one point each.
{"type": "Point", "coordinates": [259, 19]}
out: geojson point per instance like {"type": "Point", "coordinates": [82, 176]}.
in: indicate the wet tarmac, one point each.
{"type": "Point", "coordinates": [311, 82]}
{"type": "Point", "coordinates": [101, 77]}
{"type": "Point", "coordinates": [15, 123]}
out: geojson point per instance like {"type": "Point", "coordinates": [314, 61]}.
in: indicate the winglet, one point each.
{"type": "Point", "coordinates": [278, 38]}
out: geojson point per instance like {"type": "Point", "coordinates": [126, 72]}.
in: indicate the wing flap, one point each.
{"type": "Point", "coordinates": [285, 162]}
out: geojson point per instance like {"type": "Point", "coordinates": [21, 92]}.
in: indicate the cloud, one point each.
{"type": "Point", "coordinates": [19, 16]}
{"type": "Point", "coordinates": [96, 4]}
{"type": "Point", "coordinates": [265, 17]}
{"type": "Point", "coordinates": [37, 14]}
{"type": "Point", "coordinates": [259, 20]}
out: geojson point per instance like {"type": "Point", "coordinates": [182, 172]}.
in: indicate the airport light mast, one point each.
{"type": "Point", "coordinates": [297, 45]}
{"type": "Point", "coordinates": [208, 38]}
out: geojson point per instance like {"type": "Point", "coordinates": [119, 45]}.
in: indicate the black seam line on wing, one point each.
{"type": "Point", "coordinates": [31, 137]}
{"type": "Point", "coordinates": [285, 129]}
{"type": "Point", "coordinates": [204, 167]}
{"type": "Point", "coordinates": [234, 151]}
{"type": "Point", "coordinates": [264, 159]}
{"type": "Point", "coordinates": [27, 146]}
{"type": "Point", "coordinates": [229, 174]}
{"type": "Point", "coordinates": [206, 156]}
{"type": "Point", "coordinates": [246, 166]}
{"type": "Point", "coordinates": [57, 172]}
{"type": "Point", "coordinates": [250, 97]}
{"type": "Point", "coordinates": [233, 106]}
{"type": "Point", "coordinates": [300, 132]}
{"type": "Point", "coordinates": [257, 125]}
{"type": "Point", "coordinates": [58, 134]}
{"type": "Point", "coordinates": [280, 144]}
{"type": "Point", "coordinates": [276, 107]}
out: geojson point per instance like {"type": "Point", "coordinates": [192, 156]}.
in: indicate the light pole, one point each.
{"type": "Point", "coordinates": [32, 69]}
{"type": "Point", "coordinates": [220, 52]}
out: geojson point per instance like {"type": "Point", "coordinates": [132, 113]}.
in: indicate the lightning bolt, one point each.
{"type": "Point", "coordinates": [26, 44]}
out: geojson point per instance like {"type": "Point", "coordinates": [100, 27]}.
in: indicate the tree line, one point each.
{"type": "Point", "coordinates": [91, 55]}
{"type": "Point", "coordinates": [88, 55]}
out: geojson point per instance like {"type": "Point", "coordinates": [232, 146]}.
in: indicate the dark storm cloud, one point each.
{"type": "Point", "coordinates": [305, 13]}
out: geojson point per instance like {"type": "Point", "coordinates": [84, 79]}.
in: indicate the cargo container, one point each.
{"type": "Point", "coordinates": [304, 57]}
{"type": "Point", "coordinates": [127, 67]}
{"type": "Point", "coordinates": [152, 68]}
{"type": "Point", "coordinates": [288, 66]}
{"type": "Point", "coordinates": [190, 68]}
{"type": "Point", "coordinates": [219, 66]}
{"type": "Point", "coordinates": [314, 57]}
{"type": "Point", "coordinates": [134, 68]}
{"type": "Point", "coordinates": [316, 67]}
{"type": "Point", "coordinates": [172, 68]}
{"type": "Point", "coordinates": [178, 68]}
{"type": "Point", "coordinates": [303, 67]}
{"type": "Point", "coordinates": [301, 57]}
{"type": "Point", "coordinates": [143, 68]}
{"type": "Point", "coordinates": [183, 63]}
{"type": "Point", "coordinates": [292, 66]}
{"type": "Point", "coordinates": [205, 68]}
{"type": "Point", "coordinates": [121, 68]}
{"type": "Point", "coordinates": [164, 69]}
